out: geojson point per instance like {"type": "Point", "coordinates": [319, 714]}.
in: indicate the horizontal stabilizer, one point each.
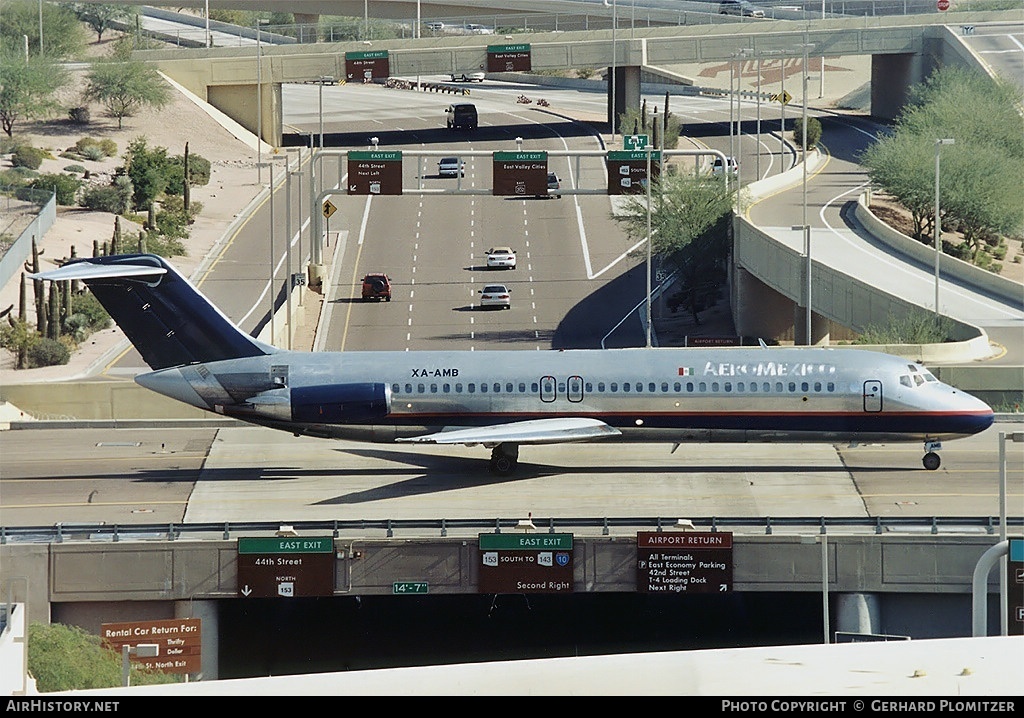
{"type": "Point", "coordinates": [88, 270]}
{"type": "Point", "coordinates": [535, 431]}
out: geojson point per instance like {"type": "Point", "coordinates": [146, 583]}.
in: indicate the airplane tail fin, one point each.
{"type": "Point", "coordinates": [164, 316]}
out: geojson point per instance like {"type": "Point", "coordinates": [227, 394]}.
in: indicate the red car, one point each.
{"type": "Point", "coordinates": [377, 285]}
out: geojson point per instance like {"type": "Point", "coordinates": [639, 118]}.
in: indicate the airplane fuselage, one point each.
{"type": "Point", "coordinates": [676, 395]}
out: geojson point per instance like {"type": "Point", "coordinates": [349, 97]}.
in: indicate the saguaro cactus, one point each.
{"type": "Point", "coordinates": [187, 185]}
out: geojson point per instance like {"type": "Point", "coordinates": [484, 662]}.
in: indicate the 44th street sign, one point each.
{"type": "Point", "coordinates": [290, 567]}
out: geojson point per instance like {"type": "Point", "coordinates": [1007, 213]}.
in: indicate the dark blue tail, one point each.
{"type": "Point", "coordinates": [164, 316]}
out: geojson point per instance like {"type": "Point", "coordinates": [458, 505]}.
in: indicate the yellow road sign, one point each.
{"type": "Point", "coordinates": [329, 209]}
{"type": "Point", "coordinates": [783, 97]}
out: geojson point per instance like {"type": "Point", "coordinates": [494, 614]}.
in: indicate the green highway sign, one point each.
{"type": "Point", "coordinates": [525, 542]}
{"type": "Point", "coordinates": [313, 544]}
{"type": "Point", "coordinates": [634, 142]}
{"type": "Point", "coordinates": [368, 55]}
{"type": "Point", "coordinates": [409, 587]}
{"type": "Point", "coordinates": [521, 157]}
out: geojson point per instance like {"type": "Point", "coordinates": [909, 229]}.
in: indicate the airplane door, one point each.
{"type": "Point", "coordinates": [574, 388]}
{"type": "Point", "coordinates": [547, 388]}
{"type": "Point", "coordinates": [872, 395]}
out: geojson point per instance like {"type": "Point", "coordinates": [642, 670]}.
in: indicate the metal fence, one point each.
{"type": "Point", "coordinates": [413, 528]}
{"type": "Point", "coordinates": [25, 214]}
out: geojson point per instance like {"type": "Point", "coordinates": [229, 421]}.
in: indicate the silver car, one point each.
{"type": "Point", "coordinates": [451, 167]}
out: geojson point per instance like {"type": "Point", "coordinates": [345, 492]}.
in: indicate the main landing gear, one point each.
{"type": "Point", "coordinates": [504, 459]}
{"type": "Point", "coordinates": [931, 459]}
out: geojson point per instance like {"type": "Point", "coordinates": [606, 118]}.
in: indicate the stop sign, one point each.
{"type": "Point", "coordinates": [942, 5]}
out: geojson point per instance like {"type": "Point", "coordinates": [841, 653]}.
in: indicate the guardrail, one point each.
{"type": "Point", "coordinates": [58, 533]}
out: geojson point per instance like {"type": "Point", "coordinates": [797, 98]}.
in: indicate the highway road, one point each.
{"type": "Point", "coordinates": [238, 473]}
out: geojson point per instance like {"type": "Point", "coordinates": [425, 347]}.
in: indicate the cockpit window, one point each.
{"type": "Point", "coordinates": [918, 379]}
{"type": "Point", "coordinates": [905, 381]}
{"type": "Point", "coordinates": [929, 377]}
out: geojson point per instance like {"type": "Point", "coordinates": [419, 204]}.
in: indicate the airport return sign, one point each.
{"type": "Point", "coordinates": [367, 66]}
{"type": "Point", "coordinates": [509, 58]}
{"type": "Point", "coordinates": [522, 174]}
{"type": "Point", "coordinates": [286, 567]}
{"type": "Point", "coordinates": [684, 562]}
{"type": "Point", "coordinates": [526, 563]}
{"type": "Point", "coordinates": [375, 172]}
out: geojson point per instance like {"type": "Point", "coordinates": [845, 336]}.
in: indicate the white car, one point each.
{"type": "Point", "coordinates": [501, 258]}
{"type": "Point", "coordinates": [468, 77]}
{"type": "Point", "coordinates": [495, 295]}
{"type": "Point", "coordinates": [451, 167]}
{"type": "Point", "coordinates": [717, 167]}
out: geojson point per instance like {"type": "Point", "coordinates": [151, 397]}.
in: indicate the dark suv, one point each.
{"type": "Point", "coordinates": [377, 285]}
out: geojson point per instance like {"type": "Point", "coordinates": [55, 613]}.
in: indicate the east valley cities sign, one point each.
{"type": "Point", "coordinates": [509, 58]}
{"type": "Point", "coordinates": [627, 171]}
{"type": "Point", "coordinates": [528, 563]}
{"type": "Point", "coordinates": [366, 66]}
{"type": "Point", "coordinates": [520, 174]}
{"type": "Point", "coordinates": [179, 641]}
{"type": "Point", "coordinates": [375, 173]}
{"type": "Point", "coordinates": [286, 567]}
{"type": "Point", "coordinates": [683, 562]}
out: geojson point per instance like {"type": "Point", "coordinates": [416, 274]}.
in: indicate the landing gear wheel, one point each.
{"type": "Point", "coordinates": [504, 459]}
{"type": "Point", "coordinates": [931, 461]}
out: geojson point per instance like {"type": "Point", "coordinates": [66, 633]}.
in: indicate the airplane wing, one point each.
{"type": "Point", "coordinates": [535, 431]}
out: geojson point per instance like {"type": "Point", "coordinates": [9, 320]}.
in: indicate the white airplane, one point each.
{"type": "Point", "coordinates": [503, 399]}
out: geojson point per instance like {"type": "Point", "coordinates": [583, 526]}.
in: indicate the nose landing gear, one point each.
{"type": "Point", "coordinates": [931, 459]}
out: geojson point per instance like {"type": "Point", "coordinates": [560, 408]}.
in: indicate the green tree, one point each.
{"type": "Point", "coordinates": [102, 17]}
{"type": "Point", "coordinates": [66, 658]}
{"type": "Point", "coordinates": [123, 88]}
{"type": "Point", "coordinates": [149, 171]}
{"type": "Point", "coordinates": [981, 174]}
{"type": "Point", "coordinates": [689, 221]}
{"type": "Point", "coordinates": [813, 131]}
{"type": "Point", "coordinates": [27, 89]}
{"type": "Point", "coordinates": [62, 37]}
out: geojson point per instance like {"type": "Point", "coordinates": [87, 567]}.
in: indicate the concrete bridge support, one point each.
{"type": "Point", "coordinates": [891, 79]}
{"type": "Point", "coordinates": [626, 94]}
{"type": "Point", "coordinates": [857, 613]}
{"type": "Point", "coordinates": [240, 103]}
{"type": "Point", "coordinates": [760, 311]}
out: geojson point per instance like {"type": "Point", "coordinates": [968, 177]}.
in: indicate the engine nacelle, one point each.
{"type": "Point", "coordinates": [326, 404]}
{"type": "Point", "coordinates": [340, 403]}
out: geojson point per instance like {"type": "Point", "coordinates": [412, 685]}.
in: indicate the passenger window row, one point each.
{"type": "Point", "coordinates": [689, 387]}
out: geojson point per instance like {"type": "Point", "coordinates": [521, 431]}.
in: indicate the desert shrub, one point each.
{"type": "Point", "coordinates": [48, 352]}
{"type": "Point", "coordinates": [13, 177]}
{"type": "Point", "coordinates": [8, 144]}
{"type": "Point", "coordinates": [104, 199]}
{"type": "Point", "coordinates": [109, 147]}
{"type": "Point", "coordinates": [26, 156]}
{"type": "Point", "coordinates": [64, 185]}
{"type": "Point", "coordinates": [79, 115]}
{"type": "Point", "coordinates": [93, 152]}
{"type": "Point", "coordinates": [79, 169]}
{"type": "Point", "coordinates": [86, 305]}
{"type": "Point", "coordinates": [915, 328]}
{"type": "Point", "coordinates": [198, 171]}
{"type": "Point", "coordinates": [813, 131]}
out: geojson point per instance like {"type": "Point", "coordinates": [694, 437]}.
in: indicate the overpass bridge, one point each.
{"type": "Point", "coordinates": [903, 49]}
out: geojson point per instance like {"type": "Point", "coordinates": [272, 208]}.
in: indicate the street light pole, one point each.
{"type": "Point", "coordinates": [648, 183]}
{"type": "Point", "coordinates": [807, 228]}
{"type": "Point", "coordinates": [207, 16]}
{"type": "Point", "coordinates": [259, 107]}
{"type": "Point", "coordinates": [938, 228]}
{"type": "Point", "coordinates": [615, 22]}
